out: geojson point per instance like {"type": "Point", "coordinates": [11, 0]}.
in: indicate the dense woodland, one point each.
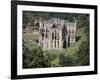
{"type": "Point", "coordinates": [76, 55]}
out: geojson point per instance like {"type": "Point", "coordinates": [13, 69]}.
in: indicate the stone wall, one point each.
{"type": "Point", "coordinates": [57, 34]}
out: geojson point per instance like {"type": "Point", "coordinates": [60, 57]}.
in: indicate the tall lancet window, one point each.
{"type": "Point", "coordinates": [52, 35]}
{"type": "Point", "coordinates": [55, 35]}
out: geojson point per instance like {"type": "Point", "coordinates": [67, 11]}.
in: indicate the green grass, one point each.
{"type": "Point", "coordinates": [30, 36]}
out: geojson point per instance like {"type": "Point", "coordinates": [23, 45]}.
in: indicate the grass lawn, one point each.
{"type": "Point", "coordinates": [30, 36]}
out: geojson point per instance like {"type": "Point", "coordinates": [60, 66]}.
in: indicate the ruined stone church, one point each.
{"type": "Point", "coordinates": [55, 33]}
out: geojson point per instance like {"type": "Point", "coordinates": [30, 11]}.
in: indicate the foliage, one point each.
{"type": "Point", "coordinates": [34, 58]}
{"type": "Point", "coordinates": [83, 54]}
{"type": "Point", "coordinates": [28, 16]}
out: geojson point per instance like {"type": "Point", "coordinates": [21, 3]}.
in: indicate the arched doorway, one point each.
{"type": "Point", "coordinates": [64, 44]}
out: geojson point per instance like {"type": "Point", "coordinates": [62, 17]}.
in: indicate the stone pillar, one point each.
{"type": "Point", "coordinates": [40, 38]}
{"type": "Point", "coordinates": [40, 35]}
{"type": "Point", "coordinates": [56, 39]}
{"type": "Point", "coordinates": [44, 45]}
{"type": "Point", "coordinates": [66, 40]}
{"type": "Point", "coordinates": [60, 39]}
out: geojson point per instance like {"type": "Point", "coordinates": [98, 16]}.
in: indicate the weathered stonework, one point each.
{"type": "Point", "coordinates": [55, 33]}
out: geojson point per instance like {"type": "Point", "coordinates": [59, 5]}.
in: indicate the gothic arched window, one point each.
{"type": "Point", "coordinates": [37, 24]}
{"type": "Point", "coordinates": [46, 35]}
{"type": "Point", "coordinates": [42, 36]}
{"type": "Point", "coordinates": [54, 26]}
{"type": "Point", "coordinates": [55, 35]}
{"type": "Point", "coordinates": [52, 35]}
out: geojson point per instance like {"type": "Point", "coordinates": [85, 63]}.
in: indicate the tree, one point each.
{"type": "Point", "coordinates": [34, 58]}
{"type": "Point", "coordinates": [68, 60]}
{"type": "Point", "coordinates": [83, 54]}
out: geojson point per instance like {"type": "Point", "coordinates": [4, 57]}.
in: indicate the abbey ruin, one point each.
{"type": "Point", "coordinates": [54, 33]}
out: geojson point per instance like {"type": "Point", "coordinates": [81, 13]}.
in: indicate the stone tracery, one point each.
{"type": "Point", "coordinates": [58, 34]}
{"type": "Point", "coordinates": [55, 33]}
